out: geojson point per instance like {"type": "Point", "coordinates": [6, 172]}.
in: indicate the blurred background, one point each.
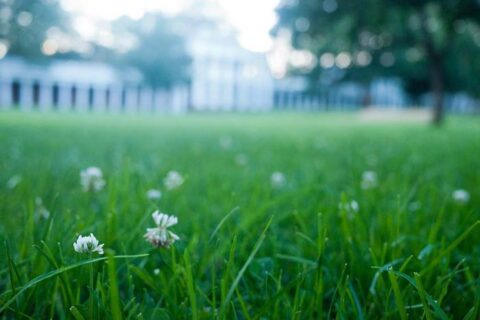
{"type": "Point", "coordinates": [228, 55]}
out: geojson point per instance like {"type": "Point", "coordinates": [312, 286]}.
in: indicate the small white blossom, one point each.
{"type": "Point", "coordinates": [241, 159]}
{"type": "Point", "coordinates": [461, 196]}
{"type": "Point", "coordinates": [226, 142]}
{"type": "Point", "coordinates": [320, 143]}
{"type": "Point", "coordinates": [154, 194]}
{"type": "Point", "coordinates": [350, 208]}
{"type": "Point", "coordinates": [277, 179]}
{"type": "Point", "coordinates": [354, 205]}
{"type": "Point", "coordinates": [156, 271]}
{"type": "Point", "coordinates": [414, 206]}
{"type": "Point", "coordinates": [40, 210]}
{"type": "Point", "coordinates": [88, 244]}
{"type": "Point", "coordinates": [173, 180]}
{"type": "Point", "coordinates": [160, 236]}
{"type": "Point", "coordinates": [91, 179]}
{"type": "Point", "coordinates": [14, 181]}
{"type": "Point", "coordinates": [369, 180]}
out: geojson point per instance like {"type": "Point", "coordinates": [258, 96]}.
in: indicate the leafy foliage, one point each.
{"type": "Point", "coordinates": [160, 52]}
{"type": "Point", "coordinates": [403, 38]}
{"type": "Point", "coordinates": [24, 25]}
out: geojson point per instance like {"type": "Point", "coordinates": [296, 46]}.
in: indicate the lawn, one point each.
{"type": "Point", "coordinates": [311, 242]}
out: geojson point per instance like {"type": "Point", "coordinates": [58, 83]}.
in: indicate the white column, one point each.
{"type": "Point", "coordinates": [26, 95]}
{"type": "Point", "coordinates": [169, 97]}
{"type": "Point", "coordinates": [185, 93]}
{"type": "Point", "coordinates": [64, 97]}
{"type": "Point", "coordinates": [99, 98]}
{"type": "Point", "coordinates": [269, 93]}
{"type": "Point", "coordinates": [81, 99]}
{"type": "Point", "coordinates": [200, 93]}
{"type": "Point", "coordinates": [115, 103]}
{"type": "Point", "coordinates": [45, 99]}
{"type": "Point", "coordinates": [131, 100]}
{"type": "Point", "coordinates": [196, 92]}
{"type": "Point", "coordinates": [179, 100]}
{"type": "Point", "coordinates": [6, 98]}
{"type": "Point", "coordinates": [160, 103]}
{"type": "Point", "coordinates": [146, 100]}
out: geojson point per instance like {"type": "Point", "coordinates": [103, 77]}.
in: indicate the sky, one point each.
{"type": "Point", "coordinates": [252, 18]}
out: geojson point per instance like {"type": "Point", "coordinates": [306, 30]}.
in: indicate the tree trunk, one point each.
{"type": "Point", "coordinates": [437, 81]}
{"type": "Point", "coordinates": [437, 85]}
{"type": "Point", "coordinates": [367, 97]}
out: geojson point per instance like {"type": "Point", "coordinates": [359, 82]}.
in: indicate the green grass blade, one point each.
{"type": "Point", "coordinates": [35, 281]}
{"type": "Point", "coordinates": [76, 314]}
{"type": "Point", "coordinates": [115, 307]}
{"type": "Point", "coordinates": [239, 276]}
{"type": "Point", "coordinates": [450, 248]}
{"type": "Point", "coordinates": [398, 295]}
{"type": "Point", "coordinates": [423, 296]}
{"type": "Point", "coordinates": [190, 285]}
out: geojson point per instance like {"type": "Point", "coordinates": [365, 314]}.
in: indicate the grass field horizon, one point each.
{"type": "Point", "coordinates": [273, 217]}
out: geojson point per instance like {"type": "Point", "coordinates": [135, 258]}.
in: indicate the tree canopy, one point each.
{"type": "Point", "coordinates": [431, 45]}
{"type": "Point", "coordinates": [159, 52]}
{"type": "Point", "coordinates": [24, 25]}
{"type": "Point", "coordinates": [156, 49]}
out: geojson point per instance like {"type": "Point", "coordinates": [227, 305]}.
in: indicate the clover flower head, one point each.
{"type": "Point", "coordinates": [40, 210]}
{"type": "Point", "coordinates": [91, 179]}
{"type": "Point", "coordinates": [241, 159]}
{"type": "Point", "coordinates": [154, 194]}
{"type": "Point", "coordinates": [88, 244]}
{"type": "Point", "coordinates": [277, 179]}
{"type": "Point", "coordinates": [461, 196]}
{"type": "Point", "coordinates": [173, 180]}
{"type": "Point", "coordinates": [369, 180]}
{"type": "Point", "coordinates": [160, 236]}
{"type": "Point", "coordinates": [14, 181]}
{"type": "Point", "coordinates": [354, 205]}
{"type": "Point", "coordinates": [414, 206]}
{"type": "Point", "coordinates": [226, 142]}
{"type": "Point", "coordinates": [350, 208]}
{"type": "Point", "coordinates": [163, 220]}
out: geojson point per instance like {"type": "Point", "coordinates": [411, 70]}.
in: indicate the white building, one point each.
{"type": "Point", "coordinates": [224, 77]}
{"type": "Point", "coordinates": [227, 77]}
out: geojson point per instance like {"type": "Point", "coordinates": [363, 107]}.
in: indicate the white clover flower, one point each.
{"type": "Point", "coordinates": [277, 179]}
{"type": "Point", "coordinates": [414, 206]}
{"type": "Point", "coordinates": [320, 143]}
{"type": "Point", "coordinates": [241, 159]}
{"type": "Point", "coordinates": [160, 236]}
{"type": "Point", "coordinates": [40, 210]}
{"type": "Point", "coordinates": [354, 205]}
{"type": "Point", "coordinates": [154, 194]}
{"type": "Point", "coordinates": [173, 180]}
{"type": "Point", "coordinates": [226, 142]}
{"type": "Point", "coordinates": [369, 180]}
{"type": "Point", "coordinates": [88, 244]}
{"type": "Point", "coordinates": [350, 208]}
{"type": "Point", "coordinates": [14, 181]}
{"type": "Point", "coordinates": [461, 196]}
{"type": "Point", "coordinates": [91, 179]}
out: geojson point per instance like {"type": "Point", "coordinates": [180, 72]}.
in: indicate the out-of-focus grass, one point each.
{"type": "Point", "coordinates": [286, 252]}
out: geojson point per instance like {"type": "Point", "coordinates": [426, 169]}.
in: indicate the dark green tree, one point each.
{"type": "Point", "coordinates": [431, 44]}
{"type": "Point", "coordinates": [24, 25]}
{"type": "Point", "coordinates": [159, 51]}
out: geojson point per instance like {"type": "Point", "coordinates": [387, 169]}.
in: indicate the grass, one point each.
{"type": "Point", "coordinates": [248, 250]}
